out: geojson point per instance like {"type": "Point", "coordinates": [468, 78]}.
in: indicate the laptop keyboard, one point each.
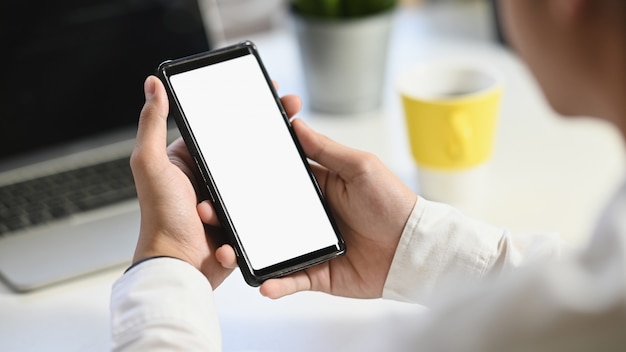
{"type": "Point", "coordinates": [57, 196]}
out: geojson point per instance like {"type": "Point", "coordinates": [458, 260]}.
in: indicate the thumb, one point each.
{"type": "Point", "coordinates": [152, 128]}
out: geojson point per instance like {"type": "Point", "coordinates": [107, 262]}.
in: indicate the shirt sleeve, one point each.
{"type": "Point", "coordinates": [576, 303]}
{"type": "Point", "coordinates": [164, 304]}
{"type": "Point", "coordinates": [440, 247]}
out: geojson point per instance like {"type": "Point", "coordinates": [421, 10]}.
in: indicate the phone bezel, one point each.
{"type": "Point", "coordinates": [253, 277]}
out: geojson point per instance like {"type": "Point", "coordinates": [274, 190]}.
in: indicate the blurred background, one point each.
{"type": "Point", "coordinates": [546, 173]}
{"type": "Point", "coordinates": [244, 17]}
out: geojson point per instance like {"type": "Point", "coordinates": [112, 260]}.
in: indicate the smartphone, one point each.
{"type": "Point", "coordinates": [254, 170]}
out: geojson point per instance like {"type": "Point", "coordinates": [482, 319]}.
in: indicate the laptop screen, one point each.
{"type": "Point", "coordinates": [73, 68]}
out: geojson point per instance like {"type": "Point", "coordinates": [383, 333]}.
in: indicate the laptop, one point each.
{"type": "Point", "coordinates": [70, 95]}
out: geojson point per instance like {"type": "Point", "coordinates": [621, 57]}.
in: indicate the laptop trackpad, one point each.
{"type": "Point", "coordinates": [93, 242]}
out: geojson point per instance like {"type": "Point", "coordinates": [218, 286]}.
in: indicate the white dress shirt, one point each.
{"type": "Point", "coordinates": [164, 304]}
{"type": "Point", "coordinates": [488, 290]}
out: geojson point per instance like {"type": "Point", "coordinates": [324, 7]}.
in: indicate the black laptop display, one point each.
{"type": "Point", "coordinates": [75, 68]}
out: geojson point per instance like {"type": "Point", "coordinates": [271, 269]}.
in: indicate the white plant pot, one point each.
{"type": "Point", "coordinates": [344, 61]}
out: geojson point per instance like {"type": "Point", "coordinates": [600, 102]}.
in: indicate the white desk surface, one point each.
{"type": "Point", "coordinates": [547, 174]}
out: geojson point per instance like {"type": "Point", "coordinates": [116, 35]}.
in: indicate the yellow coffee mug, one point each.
{"type": "Point", "coordinates": [451, 113]}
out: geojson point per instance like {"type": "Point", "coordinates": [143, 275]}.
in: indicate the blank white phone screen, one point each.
{"type": "Point", "coordinates": [263, 183]}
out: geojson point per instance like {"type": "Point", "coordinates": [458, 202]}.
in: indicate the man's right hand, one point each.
{"type": "Point", "coordinates": [371, 206]}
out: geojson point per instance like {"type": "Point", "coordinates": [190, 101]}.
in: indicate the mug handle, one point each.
{"type": "Point", "coordinates": [459, 136]}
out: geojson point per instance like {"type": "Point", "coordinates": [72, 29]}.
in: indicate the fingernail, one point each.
{"type": "Point", "coordinates": [149, 88]}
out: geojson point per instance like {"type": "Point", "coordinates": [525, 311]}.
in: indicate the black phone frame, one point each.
{"type": "Point", "coordinates": [254, 277]}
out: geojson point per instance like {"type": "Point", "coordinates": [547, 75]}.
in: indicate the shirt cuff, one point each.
{"type": "Point", "coordinates": [133, 265]}
{"type": "Point", "coordinates": [439, 243]}
{"type": "Point", "coordinates": [164, 301]}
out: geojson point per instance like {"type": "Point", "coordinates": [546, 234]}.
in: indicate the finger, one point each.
{"type": "Point", "coordinates": [152, 128]}
{"type": "Point", "coordinates": [207, 213]}
{"type": "Point", "coordinates": [321, 176]}
{"type": "Point", "coordinates": [225, 255]}
{"type": "Point", "coordinates": [277, 288]}
{"type": "Point", "coordinates": [179, 155]}
{"type": "Point", "coordinates": [334, 156]}
{"type": "Point", "coordinates": [178, 148]}
{"type": "Point", "coordinates": [292, 104]}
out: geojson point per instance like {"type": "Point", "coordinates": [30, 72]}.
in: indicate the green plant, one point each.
{"type": "Point", "coordinates": [341, 8]}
